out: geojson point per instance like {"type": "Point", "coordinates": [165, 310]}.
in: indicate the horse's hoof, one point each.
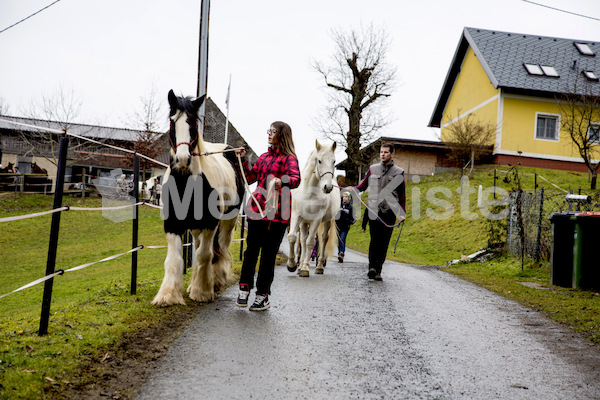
{"type": "Point", "coordinates": [303, 273]}
{"type": "Point", "coordinates": [292, 268]}
{"type": "Point", "coordinates": [319, 270]}
{"type": "Point", "coordinates": [165, 301]}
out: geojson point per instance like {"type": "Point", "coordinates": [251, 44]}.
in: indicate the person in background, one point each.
{"type": "Point", "coordinates": [158, 187]}
{"type": "Point", "coordinates": [344, 220]}
{"type": "Point", "coordinates": [382, 213]}
{"type": "Point", "coordinates": [276, 168]}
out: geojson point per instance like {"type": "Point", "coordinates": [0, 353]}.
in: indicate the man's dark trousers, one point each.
{"type": "Point", "coordinates": [380, 239]}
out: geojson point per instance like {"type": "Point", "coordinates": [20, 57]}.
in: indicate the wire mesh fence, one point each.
{"type": "Point", "coordinates": [529, 229]}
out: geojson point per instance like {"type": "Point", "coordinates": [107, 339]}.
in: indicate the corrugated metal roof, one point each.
{"type": "Point", "coordinates": [91, 131]}
{"type": "Point", "coordinates": [503, 55]}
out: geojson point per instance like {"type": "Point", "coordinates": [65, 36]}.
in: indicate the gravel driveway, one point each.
{"type": "Point", "coordinates": [420, 334]}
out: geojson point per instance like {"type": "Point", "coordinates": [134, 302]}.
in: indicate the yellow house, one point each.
{"type": "Point", "coordinates": [511, 80]}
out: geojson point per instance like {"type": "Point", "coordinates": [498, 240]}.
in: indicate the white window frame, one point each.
{"type": "Point", "coordinates": [595, 125]}
{"type": "Point", "coordinates": [557, 127]}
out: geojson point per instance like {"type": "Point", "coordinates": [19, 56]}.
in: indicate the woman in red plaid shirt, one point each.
{"type": "Point", "coordinates": [276, 172]}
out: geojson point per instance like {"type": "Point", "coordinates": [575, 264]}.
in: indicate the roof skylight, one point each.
{"type": "Point", "coordinates": [584, 49]}
{"type": "Point", "coordinates": [541, 70]}
{"type": "Point", "coordinates": [534, 69]}
{"type": "Point", "coordinates": [550, 71]}
{"type": "Point", "coordinates": [590, 75]}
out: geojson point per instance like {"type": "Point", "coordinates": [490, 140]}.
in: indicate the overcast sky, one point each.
{"type": "Point", "coordinates": [111, 52]}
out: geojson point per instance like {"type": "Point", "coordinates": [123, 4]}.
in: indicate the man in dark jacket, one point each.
{"type": "Point", "coordinates": [387, 198]}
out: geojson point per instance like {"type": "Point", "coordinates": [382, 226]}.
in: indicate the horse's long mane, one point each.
{"type": "Point", "coordinates": [309, 168]}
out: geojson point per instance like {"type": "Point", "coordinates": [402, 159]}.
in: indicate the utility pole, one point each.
{"type": "Point", "coordinates": [203, 52]}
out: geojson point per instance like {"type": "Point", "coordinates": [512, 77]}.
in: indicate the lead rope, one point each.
{"type": "Point", "coordinates": [400, 223]}
{"type": "Point", "coordinates": [208, 153]}
{"type": "Point", "coordinates": [272, 198]}
{"type": "Point", "coordinates": [260, 210]}
{"type": "Point", "coordinates": [369, 209]}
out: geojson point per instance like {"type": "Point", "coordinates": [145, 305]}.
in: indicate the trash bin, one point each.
{"type": "Point", "coordinates": [586, 260]}
{"type": "Point", "coordinates": [561, 255]}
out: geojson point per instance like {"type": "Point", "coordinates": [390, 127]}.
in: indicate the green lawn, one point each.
{"type": "Point", "coordinates": [91, 308]}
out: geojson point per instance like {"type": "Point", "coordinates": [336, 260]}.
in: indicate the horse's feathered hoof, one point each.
{"type": "Point", "coordinates": [319, 270]}
{"type": "Point", "coordinates": [165, 300]}
{"type": "Point", "coordinates": [292, 268]}
{"type": "Point", "coordinates": [303, 273]}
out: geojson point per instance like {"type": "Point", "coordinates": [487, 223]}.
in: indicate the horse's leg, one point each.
{"type": "Point", "coordinates": [170, 291]}
{"type": "Point", "coordinates": [308, 246]}
{"type": "Point", "coordinates": [202, 284]}
{"type": "Point", "coordinates": [292, 238]}
{"type": "Point", "coordinates": [322, 244]}
{"type": "Point", "coordinates": [302, 234]}
{"type": "Point", "coordinates": [328, 243]}
{"type": "Point", "coordinates": [222, 258]}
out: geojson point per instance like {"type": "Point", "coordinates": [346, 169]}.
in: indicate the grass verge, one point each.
{"type": "Point", "coordinates": [93, 312]}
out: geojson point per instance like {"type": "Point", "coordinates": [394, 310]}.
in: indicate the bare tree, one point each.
{"type": "Point", "coordinates": [150, 122]}
{"type": "Point", "coordinates": [468, 138]}
{"type": "Point", "coordinates": [62, 108]}
{"type": "Point", "coordinates": [361, 79]}
{"type": "Point", "coordinates": [580, 121]}
{"type": "Point", "coordinates": [3, 106]}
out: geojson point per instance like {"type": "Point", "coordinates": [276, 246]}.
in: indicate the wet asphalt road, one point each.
{"type": "Point", "coordinates": [420, 334]}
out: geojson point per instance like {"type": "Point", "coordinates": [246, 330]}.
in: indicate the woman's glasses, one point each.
{"type": "Point", "coordinates": [271, 131]}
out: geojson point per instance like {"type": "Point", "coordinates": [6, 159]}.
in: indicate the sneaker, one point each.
{"type": "Point", "coordinates": [261, 302]}
{"type": "Point", "coordinates": [242, 300]}
{"type": "Point", "coordinates": [371, 274]}
{"type": "Point", "coordinates": [378, 277]}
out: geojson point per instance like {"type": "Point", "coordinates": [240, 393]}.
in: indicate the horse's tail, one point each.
{"type": "Point", "coordinates": [332, 241]}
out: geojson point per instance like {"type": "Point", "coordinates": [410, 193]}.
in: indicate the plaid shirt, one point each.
{"type": "Point", "coordinates": [273, 164]}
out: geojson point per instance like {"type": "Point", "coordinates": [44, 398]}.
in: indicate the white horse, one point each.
{"type": "Point", "coordinates": [202, 193]}
{"type": "Point", "coordinates": [314, 206]}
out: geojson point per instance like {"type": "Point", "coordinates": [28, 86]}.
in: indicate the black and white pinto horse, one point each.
{"type": "Point", "coordinates": [202, 193]}
{"type": "Point", "coordinates": [314, 207]}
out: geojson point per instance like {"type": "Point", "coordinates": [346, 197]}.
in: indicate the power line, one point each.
{"type": "Point", "coordinates": [558, 9]}
{"type": "Point", "coordinates": [26, 18]}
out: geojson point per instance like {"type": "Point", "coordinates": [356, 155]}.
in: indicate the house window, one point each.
{"type": "Point", "coordinates": [594, 133]}
{"type": "Point", "coordinates": [590, 75]}
{"type": "Point", "coordinates": [546, 127]}
{"type": "Point", "coordinates": [584, 49]}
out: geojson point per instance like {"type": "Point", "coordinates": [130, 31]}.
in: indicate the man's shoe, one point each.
{"type": "Point", "coordinates": [341, 257]}
{"type": "Point", "coordinates": [378, 277]}
{"type": "Point", "coordinates": [242, 300]}
{"type": "Point", "coordinates": [261, 303]}
{"type": "Point", "coordinates": [371, 274]}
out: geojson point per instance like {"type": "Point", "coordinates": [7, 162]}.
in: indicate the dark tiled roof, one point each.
{"type": "Point", "coordinates": [503, 54]}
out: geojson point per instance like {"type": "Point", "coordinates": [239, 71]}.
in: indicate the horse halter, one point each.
{"type": "Point", "coordinates": [321, 175]}
{"type": "Point", "coordinates": [190, 144]}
